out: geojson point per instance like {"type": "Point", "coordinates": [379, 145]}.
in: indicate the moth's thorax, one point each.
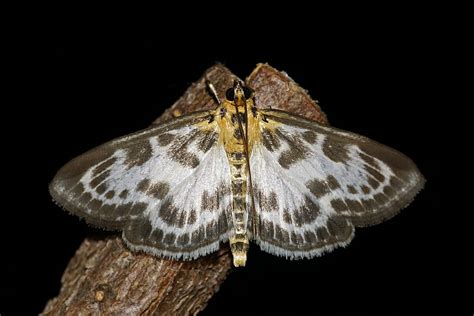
{"type": "Point", "coordinates": [229, 113]}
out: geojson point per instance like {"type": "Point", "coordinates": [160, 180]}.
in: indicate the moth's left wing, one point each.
{"type": "Point", "coordinates": [312, 184]}
{"type": "Point", "coordinates": [166, 187]}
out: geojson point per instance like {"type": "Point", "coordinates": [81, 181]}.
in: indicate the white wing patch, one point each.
{"type": "Point", "coordinates": [313, 183]}
{"type": "Point", "coordinates": [166, 188]}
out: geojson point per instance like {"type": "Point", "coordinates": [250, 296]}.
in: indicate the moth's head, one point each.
{"type": "Point", "coordinates": [239, 94]}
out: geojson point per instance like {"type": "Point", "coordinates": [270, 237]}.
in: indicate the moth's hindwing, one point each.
{"type": "Point", "coordinates": [312, 184]}
{"type": "Point", "coordinates": [166, 187]}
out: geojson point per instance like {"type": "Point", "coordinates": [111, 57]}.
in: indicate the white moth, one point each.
{"type": "Point", "coordinates": [237, 173]}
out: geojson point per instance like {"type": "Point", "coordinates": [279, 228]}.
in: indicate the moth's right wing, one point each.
{"type": "Point", "coordinates": [312, 184]}
{"type": "Point", "coordinates": [166, 187]}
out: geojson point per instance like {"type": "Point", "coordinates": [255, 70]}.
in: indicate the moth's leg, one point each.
{"type": "Point", "coordinates": [212, 90]}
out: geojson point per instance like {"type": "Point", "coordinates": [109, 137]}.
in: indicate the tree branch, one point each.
{"type": "Point", "coordinates": [104, 277]}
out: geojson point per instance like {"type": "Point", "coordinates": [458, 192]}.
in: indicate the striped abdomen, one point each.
{"type": "Point", "coordinates": [239, 241]}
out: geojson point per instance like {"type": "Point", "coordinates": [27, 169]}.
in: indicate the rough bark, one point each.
{"type": "Point", "coordinates": [104, 277]}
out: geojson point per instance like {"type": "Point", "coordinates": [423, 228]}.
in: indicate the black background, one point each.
{"type": "Point", "coordinates": [87, 87]}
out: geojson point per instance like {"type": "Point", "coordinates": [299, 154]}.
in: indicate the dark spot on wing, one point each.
{"type": "Point", "coordinates": [77, 190]}
{"type": "Point", "coordinates": [381, 198]}
{"type": "Point", "coordinates": [389, 191]}
{"type": "Point", "coordinates": [297, 150]}
{"type": "Point", "coordinates": [107, 210]}
{"type": "Point", "coordinates": [332, 182]}
{"type": "Point", "coordinates": [335, 150]}
{"type": "Point", "coordinates": [158, 190]}
{"type": "Point", "coordinates": [110, 194]}
{"type": "Point", "coordinates": [138, 230]}
{"type": "Point", "coordinates": [101, 188]}
{"type": "Point", "coordinates": [281, 235]}
{"type": "Point", "coordinates": [145, 229]}
{"type": "Point", "coordinates": [165, 139]}
{"type": "Point", "coordinates": [266, 230]}
{"type": "Point", "coordinates": [365, 189]}
{"type": "Point", "coordinates": [339, 206]}
{"type": "Point", "coordinates": [157, 235]}
{"type": "Point", "coordinates": [94, 204]}
{"type": "Point", "coordinates": [270, 140]}
{"type": "Point", "coordinates": [123, 209]}
{"type": "Point", "coordinates": [351, 189]}
{"type": "Point", "coordinates": [287, 216]}
{"type": "Point", "coordinates": [103, 166]}
{"type": "Point", "coordinates": [85, 198]}
{"type": "Point", "coordinates": [99, 179]}
{"type": "Point", "coordinates": [317, 187]}
{"type": "Point", "coordinates": [338, 228]}
{"type": "Point", "coordinates": [123, 194]}
{"type": "Point", "coordinates": [267, 203]}
{"type": "Point", "coordinates": [138, 208]}
{"type": "Point", "coordinates": [310, 237]}
{"type": "Point", "coordinates": [211, 230]}
{"type": "Point", "coordinates": [322, 233]}
{"type": "Point", "coordinates": [310, 136]}
{"type": "Point", "coordinates": [373, 183]}
{"type": "Point", "coordinates": [354, 205]}
{"type": "Point", "coordinates": [305, 214]}
{"type": "Point", "coordinates": [368, 160]}
{"type": "Point", "coordinates": [206, 140]}
{"type": "Point", "coordinates": [192, 217]}
{"type": "Point", "coordinates": [183, 239]}
{"type": "Point", "coordinates": [374, 173]}
{"type": "Point", "coordinates": [139, 154]}
{"type": "Point", "coordinates": [369, 204]}
{"type": "Point", "coordinates": [181, 219]}
{"type": "Point", "coordinates": [168, 212]}
{"type": "Point", "coordinates": [143, 185]}
{"type": "Point", "coordinates": [178, 150]}
{"type": "Point", "coordinates": [223, 222]}
{"type": "Point", "coordinates": [169, 239]}
{"type": "Point", "coordinates": [211, 201]}
{"type": "Point", "coordinates": [396, 183]}
{"type": "Point", "coordinates": [198, 236]}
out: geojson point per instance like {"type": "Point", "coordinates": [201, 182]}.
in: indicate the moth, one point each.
{"type": "Point", "coordinates": [239, 174]}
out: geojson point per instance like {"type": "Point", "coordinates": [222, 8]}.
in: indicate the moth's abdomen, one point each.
{"type": "Point", "coordinates": [239, 240]}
